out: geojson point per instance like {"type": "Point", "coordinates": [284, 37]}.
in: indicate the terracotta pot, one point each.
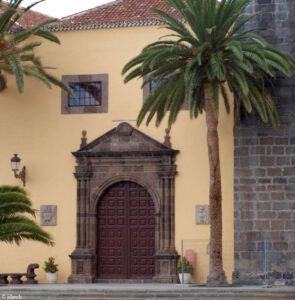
{"type": "Point", "coordinates": [186, 278]}
{"type": "Point", "coordinates": [51, 277]}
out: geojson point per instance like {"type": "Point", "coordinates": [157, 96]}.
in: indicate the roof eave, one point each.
{"type": "Point", "coordinates": [91, 26]}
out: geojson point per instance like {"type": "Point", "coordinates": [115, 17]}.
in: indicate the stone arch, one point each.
{"type": "Point", "coordinates": [124, 177]}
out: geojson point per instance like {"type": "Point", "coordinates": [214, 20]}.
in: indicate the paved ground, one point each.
{"type": "Point", "coordinates": [139, 287]}
{"type": "Point", "coordinates": [143, 291]}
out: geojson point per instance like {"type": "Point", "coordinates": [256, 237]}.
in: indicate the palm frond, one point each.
{"type": "Point", "coordinates": [17, 55]}
{"type": "Point", "coordinates": [17, 69]}
{"type": "Point", "coordinates": [15, 229]}
{"type": "Point", "coordinates": [15, 226]}
{"type": "Point", "coordinates": [208, 44]}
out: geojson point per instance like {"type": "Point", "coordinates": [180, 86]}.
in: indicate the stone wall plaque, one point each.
{"type": "Point", "coordinates": [48, 215]}
{"type": "Point", "coordinates": [202, 214]}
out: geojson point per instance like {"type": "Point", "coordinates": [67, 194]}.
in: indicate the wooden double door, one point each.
{"type": "Point", "coordinates": [126, 233]}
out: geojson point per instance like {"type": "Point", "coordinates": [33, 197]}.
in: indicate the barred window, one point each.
{"type": "Point", "coordinates": [153, 85]}
{"type": "Point", "coordinates": [85, 94]}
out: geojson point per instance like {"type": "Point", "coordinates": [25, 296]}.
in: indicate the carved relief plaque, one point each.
{"type": "Point", "coordinates": [48, 215]}
{"type": "Point", "coordinates": [202, 214]}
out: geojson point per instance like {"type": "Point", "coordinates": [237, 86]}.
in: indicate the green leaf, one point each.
{"type": "Point", "coordinates": [218, 67]}
{"type": "Point", "coordinates": [237, 50]}
{"type": "Point", "coordinates": [48, 36]}
{"type": "Point", "coordinates": [239, 77]}
{"type": "Point", "coordinates": [17, 69]}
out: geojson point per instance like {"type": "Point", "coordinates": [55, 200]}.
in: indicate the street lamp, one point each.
{"type": "Point", "coordinates": [15, 161]}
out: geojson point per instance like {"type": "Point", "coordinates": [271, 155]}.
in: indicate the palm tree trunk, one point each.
{"type": "Point", "coordinates": [216, 275]}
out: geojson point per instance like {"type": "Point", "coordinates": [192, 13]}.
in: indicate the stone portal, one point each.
{"type": "Point", "coordinates": [128, 159]}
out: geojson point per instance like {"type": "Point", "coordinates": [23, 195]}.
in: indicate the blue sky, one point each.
{"type": "Point", "coordinates": [61, 8]}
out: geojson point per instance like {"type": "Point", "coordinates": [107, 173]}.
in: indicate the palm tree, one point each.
{"type": "Point", "coordinates": [14, 225]}
{"type": "Point", "coordinates": [209, 56]}
{"type": "Point", "coordinates": [17, 56]}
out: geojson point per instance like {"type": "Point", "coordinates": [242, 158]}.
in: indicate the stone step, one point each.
{"type": "Point", "coordinates": [107, 292]}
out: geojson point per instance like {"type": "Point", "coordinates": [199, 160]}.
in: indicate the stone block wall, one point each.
{"type": "Point", "coordinates": [265, 167]}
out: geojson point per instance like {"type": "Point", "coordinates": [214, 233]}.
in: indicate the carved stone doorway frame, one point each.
{"type": "Point", "coordinates": [124, 154]}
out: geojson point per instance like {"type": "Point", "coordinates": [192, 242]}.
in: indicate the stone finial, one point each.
{"type": "Point", "coordinates": [167, 138]}
{"type": "Point", "coordinates": [124, 129]}
{"type": "Point", "coordinates": [83, 139]}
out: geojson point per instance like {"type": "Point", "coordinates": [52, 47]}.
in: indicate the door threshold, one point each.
{"type": "Point", "coordinates": [128, 281]}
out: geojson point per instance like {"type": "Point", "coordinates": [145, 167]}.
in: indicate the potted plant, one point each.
{"type": "Point", "coordinates": [185, 271]}
{"type": "Point", "coordinates": [51, 269]}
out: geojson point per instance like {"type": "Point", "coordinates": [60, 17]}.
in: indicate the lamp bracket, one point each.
{"type": "Point", "coordinates": [21, 175]}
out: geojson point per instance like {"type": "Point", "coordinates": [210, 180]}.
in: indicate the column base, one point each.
{"type": "Point", "coordinates": [166, 267]}
{"type": "Point", "coordinates": [83, 267]}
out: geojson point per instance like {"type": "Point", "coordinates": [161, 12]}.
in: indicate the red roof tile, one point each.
{"type": "Point", "coordinates": [120, 11]}
{"type": "Point", "coordinates": [30, 18]}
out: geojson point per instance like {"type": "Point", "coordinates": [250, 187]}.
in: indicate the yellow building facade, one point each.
{"type": "Point", "coordinates": [36, 126]}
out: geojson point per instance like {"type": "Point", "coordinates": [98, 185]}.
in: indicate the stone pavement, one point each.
{"type": "Point", "coordinates": [143, 291]}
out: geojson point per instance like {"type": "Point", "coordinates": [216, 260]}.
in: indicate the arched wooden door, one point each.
{"type": "Point", "coordinates": [126, 233]}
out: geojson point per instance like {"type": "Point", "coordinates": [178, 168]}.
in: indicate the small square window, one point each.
{"type": "Point", "coordinates": [90, 94]}
{"type": "Point", "coordinates": [153, 85]}
{"type": "Point", "coordinates": [149, 87]}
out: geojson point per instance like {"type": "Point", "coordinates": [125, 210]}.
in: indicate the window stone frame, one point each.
{"type": "Point", "coordinates": [86, 109]}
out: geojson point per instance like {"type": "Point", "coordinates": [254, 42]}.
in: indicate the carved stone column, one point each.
{"type": "Point", "coordinates": [83, 257]}
{"type": "Point", "coordinates": [166, 256]}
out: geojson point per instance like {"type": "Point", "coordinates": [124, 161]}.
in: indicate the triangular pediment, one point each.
{"type": "Point", "coordinates": [124, 138]}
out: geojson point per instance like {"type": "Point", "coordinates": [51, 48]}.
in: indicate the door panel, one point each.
{"type": "Point", "coordinates": [126, 233]}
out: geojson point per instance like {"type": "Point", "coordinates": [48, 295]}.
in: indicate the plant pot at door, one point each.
{"type": "Point", "coordinates": [185, 270]}
{"type": "Point", "coordinates": [51, 277]}
{"type": "Point", "coordinates": [186, 278]}
{"type": "Point", "coordinates": [51, 268]}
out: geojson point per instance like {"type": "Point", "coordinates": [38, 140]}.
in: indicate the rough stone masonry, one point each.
{"type": "Point", "coordinates": [265, 168]}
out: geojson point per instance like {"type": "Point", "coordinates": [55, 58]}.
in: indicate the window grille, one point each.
{"type": "Point", "coordinates": [86, 93]}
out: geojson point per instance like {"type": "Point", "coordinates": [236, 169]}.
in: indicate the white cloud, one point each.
{"type": "Point", "coordinates": [61, 8]}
